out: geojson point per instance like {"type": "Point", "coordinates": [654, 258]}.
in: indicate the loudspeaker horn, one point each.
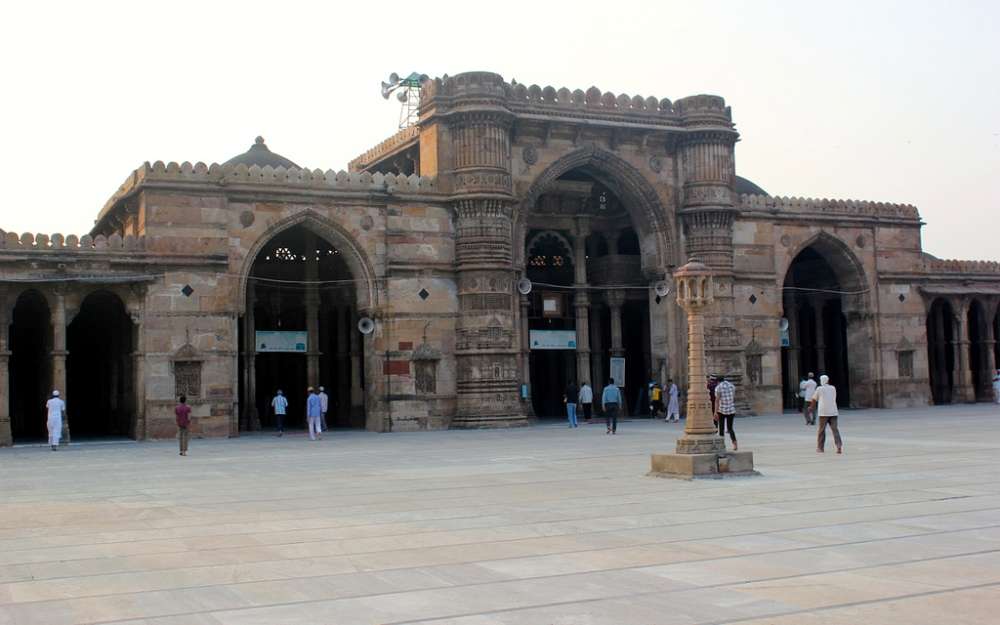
{"type": "Point", "coordinates": [366, 325]}
{"type": "Point", "coordinates": [524, 286]}
{"type": "Point", "coordinates": [662, 289]}
{"type": "Point", "coordinates": [386, 90]}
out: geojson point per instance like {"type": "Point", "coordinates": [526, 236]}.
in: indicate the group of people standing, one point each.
{"type": "Point", "coordinates": [673, 407]}
{"type": "Point", "coordinates": [611, 402]}
{"type": "Point", "coordinates": [317, 404]}
{"type": "Point", "coordinates": [821, 400]}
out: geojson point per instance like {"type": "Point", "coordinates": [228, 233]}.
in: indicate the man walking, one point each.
{"type": "Point", "coordinates": [182, 413]}
{"type": "Point", "coordinates": [674, 403]}
{"type": "Point", "coordinates": [280, 406]}
{"type": "Point", "coordinates": [587, 400]}
{"type": "Point", "coordinates": [825, 399]}
{"type": "Point", "coordinates": [314, 412]}
{"type": "Point", "coordinates": [725, 394]}
{"type": "Point", "coordinates": [56, 408]}
{"type": "Point", "coordinates": [611, 401]}
{"type": "Point", "coordinates": [324, 402]}
{"type": "Point", "coordinates": [570, 398]}
{"type": "Point", "coordinates": [808, 391]}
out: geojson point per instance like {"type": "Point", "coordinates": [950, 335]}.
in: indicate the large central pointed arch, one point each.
{"type": "Point", "coordinates": [655, 230]}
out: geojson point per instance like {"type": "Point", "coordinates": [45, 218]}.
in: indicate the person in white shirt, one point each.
{"type": "Point", "coordinates": [586, 400]}
{"type": "Point", "coordinates": [55, 408]}
{"type": "Point", "coordinates": [808, 389]}
{"type": "Point", "coordinates": [825, 401]}
{"type": "Point", "coordinates": [280, 406]}
{"type": "Point", "coordinates": [996, 387]}
{"type": "Point", "coordinates": [674, 404]}
{"type": "Point", "coordinates": [324, 402]}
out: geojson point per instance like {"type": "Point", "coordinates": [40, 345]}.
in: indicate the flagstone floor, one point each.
{"type": "Point", "coordinates": [542, 525]}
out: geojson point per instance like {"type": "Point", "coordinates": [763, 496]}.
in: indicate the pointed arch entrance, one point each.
{"type": "Point", "coordinates": [593, 236]}
{"type": "Point", "coordinates": [941, 351]}
{"type": "Point", "coordinates": [299, 328]}
{"type": "Point", "coordinates": [825, 299]}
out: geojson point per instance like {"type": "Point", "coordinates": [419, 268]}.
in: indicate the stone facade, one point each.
{"type": "Point", "coordinates": [600, 195]}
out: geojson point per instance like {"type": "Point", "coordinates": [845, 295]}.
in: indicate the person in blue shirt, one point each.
{"type": "Point", "coordinates": [314, 412]}
{"type": "Point", "coordinates": [611, 401]}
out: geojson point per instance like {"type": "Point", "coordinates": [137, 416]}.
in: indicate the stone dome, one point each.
{"type": "Point", "coordinates": [259, 155]}
{"type": "Point", "coordinates": [746, 187]}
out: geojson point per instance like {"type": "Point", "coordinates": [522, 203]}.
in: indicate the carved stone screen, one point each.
{"type": "Point", "coordinates": [187, 378]}
{"type": "Point", "coordinates": [905, 364]}
{"type": "Point", "coordinates": [426, 376]}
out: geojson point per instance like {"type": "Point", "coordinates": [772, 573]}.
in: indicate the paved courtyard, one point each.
{"type": "Point", "coordinates": [543, 525]}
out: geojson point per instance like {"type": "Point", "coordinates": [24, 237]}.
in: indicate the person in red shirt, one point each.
{"type": "Point", "coordinates": [183, 414]}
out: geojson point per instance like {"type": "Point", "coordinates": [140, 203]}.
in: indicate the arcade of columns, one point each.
{"type": "Point", "coordinates": [963, 338]}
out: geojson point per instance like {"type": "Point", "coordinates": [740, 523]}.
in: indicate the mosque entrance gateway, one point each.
{"type": "Point", "coordinates": [589, 302]}
{"type": "Point", "coordinates": [300, 330]}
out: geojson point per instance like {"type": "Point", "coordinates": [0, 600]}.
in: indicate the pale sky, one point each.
{"type": "Point", "coordinates": [885, 101]}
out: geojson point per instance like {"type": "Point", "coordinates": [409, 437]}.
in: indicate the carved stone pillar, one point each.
{"type": "Point", "coordinates": [139, 377]}
{"type": "Point", "coordinates": [312, 311]}
{"type": "Point", "coordinates": [59, 354]}
{"type": "Point", "coordinates": [820, 334]}
{"type": "Point", "coordinates": [6, 437]}
{"type": "Point", "coordinates": [615, 302]}
{"type": "Point", "coordinates": [794, 348]}
{"type": "Point", "coordinates": [251, 418]}
{"type": "Point", "coordinates": [597, 362]}
{"type": "Point", "coordinates": [989, 355]}
{"type": "Point", "coordinates": [581, 302]}
{"type": "Point", "coordinates": [700, 451]}
{"type": "Point", "coordinates": [963, 378]}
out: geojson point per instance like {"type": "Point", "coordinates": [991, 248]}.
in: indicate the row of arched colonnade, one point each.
{"type": "Point", "coordinates": [78, 341]}
{"type": "Point", "coordinates": [962, 347]}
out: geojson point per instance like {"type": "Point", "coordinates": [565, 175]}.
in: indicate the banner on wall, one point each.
{"type": "Point", "coordinates": [553, 339]}
{"type": "Point", "coordinates": [617, 370]}
{"type": "Point", "coordinates": [294, 341]}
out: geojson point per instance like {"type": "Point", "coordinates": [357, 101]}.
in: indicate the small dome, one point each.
{"type": "Point", "coordinates": [259, 155]}
{"type": "Point", "coordinates": [745, 187]}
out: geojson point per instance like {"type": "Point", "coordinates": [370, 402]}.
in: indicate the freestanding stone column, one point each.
{"type": "Point", "coordinates": [700, 452]}
{"type": "Point", "coordinates": [59, 354]}
{"type": "Point", "coordinates": [312, 312]}
{"type": "Point", "coordinates": [616, 300]}
{"type": "Point", "coordinates": [963, 380]}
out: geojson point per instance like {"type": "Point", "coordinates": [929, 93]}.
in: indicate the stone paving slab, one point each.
{"type": "Point", "coordinates": [542, 525]}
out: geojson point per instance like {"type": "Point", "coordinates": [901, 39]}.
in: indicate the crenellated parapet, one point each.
{"type": "Point", "coordinates": [950, 265]}
{"type": "Point", "coordinates": [28, 242]}
{"type": "Point", "coordinates": [857, 208]}
{"type": "Point", "coordinates": [401, 140]}
{"type": "Point", "coordinates": [280, 176]}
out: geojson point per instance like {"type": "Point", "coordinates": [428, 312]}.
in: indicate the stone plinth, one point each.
{"type": "Point", "coordinates": [709, 465]}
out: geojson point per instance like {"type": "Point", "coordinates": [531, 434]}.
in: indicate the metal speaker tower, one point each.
{"type": "Point", "coordinates": [407, 91]}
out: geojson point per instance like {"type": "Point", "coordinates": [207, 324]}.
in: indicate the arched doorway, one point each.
{"type": "Point", "coordinates": [301, 320]}
{"type": "Point", "coordinates": [100, 385]}
{"type": "Point", "coordinates": [590, 302]}
{"type": "Point", "coordinates": [823, 293]}
{"type": "Point", "coordinates": [940, 351]}
{"type": "Point", "coordinates": [30, 366]}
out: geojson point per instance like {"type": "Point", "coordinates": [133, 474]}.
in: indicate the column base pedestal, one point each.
{"type": "Point", "coordinates": [701, 466]}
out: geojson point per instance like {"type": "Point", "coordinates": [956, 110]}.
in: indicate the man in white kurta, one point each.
{"type": "Point", "coordinates": [55, 408]}
{"type": "Point", "coordinates": [324, 402]}
{"type": "Point", "coordinates": [674, 404]}
{"type": "Point", "coordinates": [996, 387]}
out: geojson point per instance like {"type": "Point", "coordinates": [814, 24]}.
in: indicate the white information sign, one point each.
{"type": "Point", "coordinates": [617, 370]}
{"type": "Point", "coordinates": [553, 339]}
{"type": "Point", "coordinates": [281, 341]}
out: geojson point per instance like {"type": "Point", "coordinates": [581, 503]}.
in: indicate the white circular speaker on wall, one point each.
{"type": "Point", "coordinates": [524, 286]}
{"type": "Point", "coordinates": [662, 289]}
{"type": "Point", "coordinates": [783, 324]}
{"type": "Point", "coordinates": [366, 325]}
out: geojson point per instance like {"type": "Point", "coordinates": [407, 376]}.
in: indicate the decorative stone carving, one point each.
{"type": "Point", "coordinates": [656, 164]}
{"type": "Point", "coordinates": [529, 154]}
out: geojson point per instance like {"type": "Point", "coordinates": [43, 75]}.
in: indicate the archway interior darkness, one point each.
{"type": "Point", "coordinates": [99, 380]}
{"type": "Point", "coordinates": [813, 304]}
{"type": "Point", "coordinates": [296, 274]}
{"type": "Point", "coordinates": [30, 366]}
{"type": "Point", "coordinates": [978, 364]}
{"type": "Point", "coordinates": [581, 203]}
{"type": "Point", "coordinates": [940, 351]}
